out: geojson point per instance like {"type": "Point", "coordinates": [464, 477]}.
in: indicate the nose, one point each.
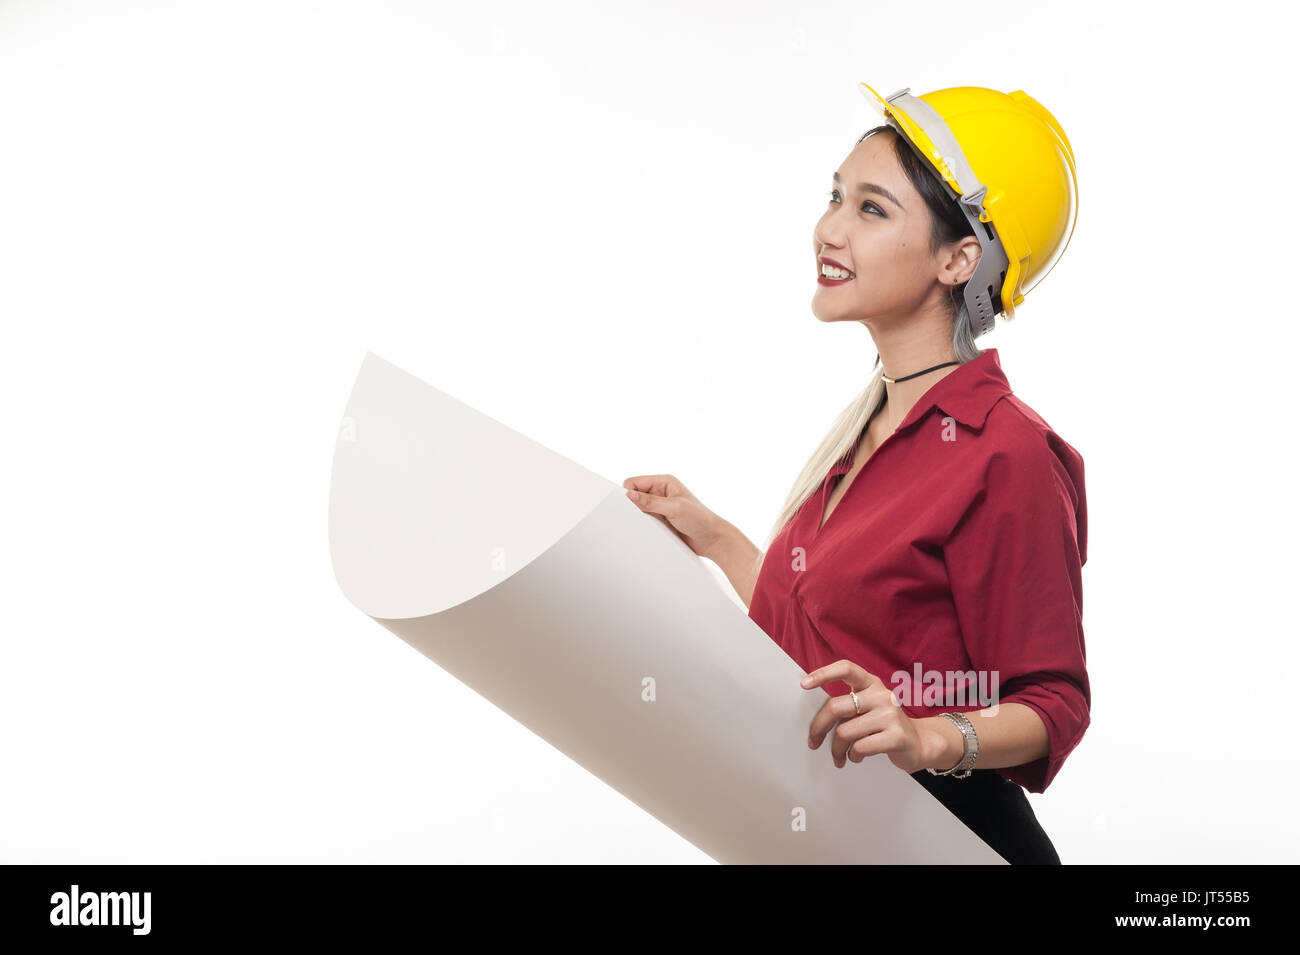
{"type": "Point", "coordinates": [827, 235]}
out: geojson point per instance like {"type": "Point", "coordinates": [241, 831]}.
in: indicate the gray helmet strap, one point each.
{"type": "Point", "coordinates": [984, 289]}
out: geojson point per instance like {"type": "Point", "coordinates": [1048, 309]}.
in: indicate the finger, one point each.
{"type": "Point", "coordinates": [828, 714]}
{"type": "Point", "coordinates": [650, 483]}
{"type": "Point", "coordinates": [849, 737]}
{"type": "Point", "coordinates": [662, 509]}
{"type": "Point", "coordinates": [664, 485]}
{"type": "Point", "coordinates": [871, 744]}
{"type": "Point", "coordinates": [872, 700]}
{"type": "Point", "coordinates": [669, 507]}
{"type": "Point", "coordinates": [842, 738]}
{"type": "Point", "coordinates": [853, 676]}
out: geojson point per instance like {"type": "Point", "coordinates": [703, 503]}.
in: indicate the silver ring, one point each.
{"type": "Point", "coordinates": [856, 708]}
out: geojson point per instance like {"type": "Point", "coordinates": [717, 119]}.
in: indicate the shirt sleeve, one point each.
{"type": "Point", "coordinates": [1015, 566]}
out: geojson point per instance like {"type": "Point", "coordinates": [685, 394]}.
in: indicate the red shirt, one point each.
{"type": "Point", "coordinates": [958, 547]}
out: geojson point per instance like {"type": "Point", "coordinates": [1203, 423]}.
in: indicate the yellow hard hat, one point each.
{"type": "Point", "coordinates": [1010, 166]}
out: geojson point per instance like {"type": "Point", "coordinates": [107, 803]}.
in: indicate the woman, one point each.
{"type": "Point", "coordinates": [926, 567]}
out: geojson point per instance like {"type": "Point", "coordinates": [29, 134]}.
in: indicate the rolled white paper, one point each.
{"type": "Point", "coordinates": [541, 586]}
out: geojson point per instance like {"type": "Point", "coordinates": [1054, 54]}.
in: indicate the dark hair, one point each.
{"type": "Point", "coordinates": [948, 224]}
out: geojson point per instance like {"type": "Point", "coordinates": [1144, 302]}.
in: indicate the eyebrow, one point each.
{"type": "Point", "coordinates": [872, 187]}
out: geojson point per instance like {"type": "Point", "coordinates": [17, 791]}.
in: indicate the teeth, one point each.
{"type": "Point", "coordinates": [831, 272]}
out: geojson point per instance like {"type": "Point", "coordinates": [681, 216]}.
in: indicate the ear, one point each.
{"type": "Point", "coordinates": [960, 261]}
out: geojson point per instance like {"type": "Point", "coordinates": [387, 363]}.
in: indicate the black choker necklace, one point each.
{"type": "Point", "coordinates": [894, 381]}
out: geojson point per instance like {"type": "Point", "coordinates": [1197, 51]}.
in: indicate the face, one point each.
{"type": "Point", "coordinates": [881, 235]}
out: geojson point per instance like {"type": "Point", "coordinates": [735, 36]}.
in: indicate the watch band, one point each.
{"type": "Point", "coordinates": [970, 748]}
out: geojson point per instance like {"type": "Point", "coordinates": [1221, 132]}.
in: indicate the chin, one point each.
{"type": "Point", "coordinates": [827, 318]}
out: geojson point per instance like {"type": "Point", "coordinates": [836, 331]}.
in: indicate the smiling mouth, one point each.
{"type": "Point", "coordinates": [833, 272]}
{"type": "Point", "coordinates": [834, 277]}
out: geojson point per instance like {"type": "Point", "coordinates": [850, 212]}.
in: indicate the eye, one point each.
{"type": "Point", "coordinates": [866, 205]}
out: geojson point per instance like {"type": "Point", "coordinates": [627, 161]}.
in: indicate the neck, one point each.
{"type": "Point", "coordinates": [904, 357]}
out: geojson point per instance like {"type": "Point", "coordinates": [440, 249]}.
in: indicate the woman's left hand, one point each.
{"type": "Point", "coordinates": [879, 724]}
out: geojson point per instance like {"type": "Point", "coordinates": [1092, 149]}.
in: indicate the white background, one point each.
{"type": "Point", "coordinates": [593, 223]}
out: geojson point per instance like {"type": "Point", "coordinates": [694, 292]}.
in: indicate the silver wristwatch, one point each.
{"type": "Point", "coordinates": [970, 748]}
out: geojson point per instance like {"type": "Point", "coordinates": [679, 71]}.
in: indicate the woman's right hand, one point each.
{"type": "Point", "coordinates": [668, 499]}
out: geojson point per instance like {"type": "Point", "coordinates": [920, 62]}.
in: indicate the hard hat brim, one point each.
{"type": "Point", "coordinates": [888, 111]}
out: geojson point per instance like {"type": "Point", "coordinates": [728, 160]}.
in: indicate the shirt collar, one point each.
{"type": "Point", "coordinates": [967, 394]}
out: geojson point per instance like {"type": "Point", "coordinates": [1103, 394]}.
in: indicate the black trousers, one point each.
{"type": "Point", "coordinates": [998, 811]}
